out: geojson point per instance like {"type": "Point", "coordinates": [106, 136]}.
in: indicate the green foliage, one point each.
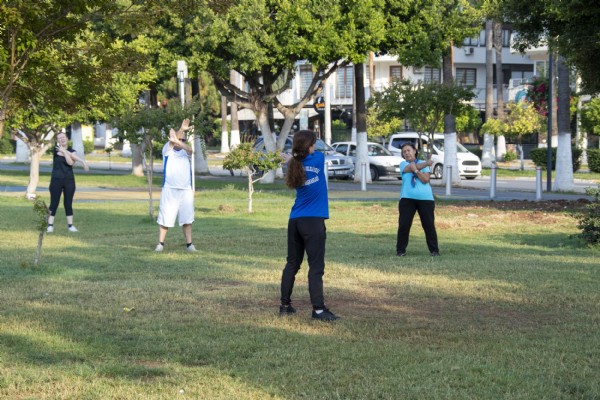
{"type": "Point", "coordinates": [88, 146]}
{"type": "Point", "coordinates": [7, 145]}
{"type": "Point", "coordinates": [377, 126]}
{"type": "Point", "coordinates": [469, 120]}
{"type": "Point", "coordinates": [252, 162]}
{"type": "Point", "coordinates": [590, 116]}
{"type": "Point", "coordinates": [423, 104]}
{"type": "Point", "coordinates": [593, 157]}
{"type": "Point", "coordinates": [509, 156]}
{"type": "Point", "coordinates": [493, 126]}
{"type": "Point", "coordinates": [522, 119]}
{"type": "Point", "coordinates": [589, 222]}
{"type": "Point", "coordinates": [567, 24]}
{"type": "Point", "coordinates": [539, 157]}
{"type": "Point", "coordinates": [40, 210]}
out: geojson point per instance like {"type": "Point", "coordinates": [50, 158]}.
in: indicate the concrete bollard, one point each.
{"type": "Point", "coordinates": [538, 183]}
{"type": "Point", "coordinates": [448, 180]}
{"type": "Point", "coordinates": [493, 183]}
{"type": "Point", "coordinates": [363, 177]}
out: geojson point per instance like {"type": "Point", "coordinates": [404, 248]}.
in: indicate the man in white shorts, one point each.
{"type": "Point", "coordinates": [177, 197]}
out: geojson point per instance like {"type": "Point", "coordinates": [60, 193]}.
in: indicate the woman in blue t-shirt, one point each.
{"type": "Point", "coordinates": [306, 226]}
{"type": "Point", "coordinates": [415, 196]}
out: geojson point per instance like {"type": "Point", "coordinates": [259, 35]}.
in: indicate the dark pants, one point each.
{"type": "Point", "coordinates": [57, 187]}
{"type": "Point", "coordinates": [305, 234]}
{"type": "Point", "coordinates": [407, 209]}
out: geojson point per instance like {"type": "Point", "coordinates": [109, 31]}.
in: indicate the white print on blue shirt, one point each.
{"type": "Point", "coordinates": [308, 168]}
{"type": "Point", "coordinates": [311, 181]}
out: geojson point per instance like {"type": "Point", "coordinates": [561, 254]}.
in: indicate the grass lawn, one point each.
{"type": "Point", "coordinates": [510, 311]}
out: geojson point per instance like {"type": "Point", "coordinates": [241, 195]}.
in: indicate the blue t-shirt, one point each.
{"type": "Point", "coordinates": [421, 191]}
{"type": "Point", "coordinates": [311, 198]}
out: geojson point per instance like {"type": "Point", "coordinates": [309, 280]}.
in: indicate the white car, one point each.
{"type": "Point", "coordinates": [469, 165]}
{"type": "Point", "coordinates": [381, 161]}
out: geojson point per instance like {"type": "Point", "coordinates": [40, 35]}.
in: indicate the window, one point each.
{"type": "Point", "coordinates": [466, 76]}
{"type": "Point", "coordinates": [345, 79]}
{"type": "Point", "coordinates": [431, 74]}
{"type": "Point", "coordinates": [306, 76]}
{"type": "Point", "coordinates": [395, 73]}
{"type": "Point", "coordinates": [506, 38]}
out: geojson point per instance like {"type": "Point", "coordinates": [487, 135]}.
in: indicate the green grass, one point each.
{"type": "Point", "coordinates": [530, 173]}
{"type": "Point", "coordinates": [510, 310]}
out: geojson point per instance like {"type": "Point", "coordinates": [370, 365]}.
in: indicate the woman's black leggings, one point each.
{"type": "Point", "coordinates": [57, 187]}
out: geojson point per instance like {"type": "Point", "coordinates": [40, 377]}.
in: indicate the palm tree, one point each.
{"type": "Point", "coordinates": [488, 140]}
{"type": "Point", "coordinates": [497, 35]}
{"type": "Point", "coordinates": [564, 157]}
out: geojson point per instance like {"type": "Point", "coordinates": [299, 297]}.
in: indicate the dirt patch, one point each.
{"type": "Point", "coordinates": [516, 205]}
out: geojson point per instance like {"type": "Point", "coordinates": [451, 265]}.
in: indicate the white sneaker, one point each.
{"type": "Point", "coordinates": [191, 248]}
{"type": "Point", "coordinates": [50, 229]}
{"type": "Point", "coordinates": [159, 247]}
{"type": "Point", "coordinates": [73, 229]}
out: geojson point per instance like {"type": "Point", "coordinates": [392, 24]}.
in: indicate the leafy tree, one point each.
{"type": "Point", "coordinates": [264, 40]}
{"type": "Point", "coordinates": [468, 121]}
{"type": "Point", "coordinates": [252, 163]}
{"type": "Point", "coordinates": [573, 26]}
{"type": "Point", "coordinates": [590, 117]}
{"type": "Point", "coordinates": [41, 218]}
{"type": "Point", "coordinates": [144, 126]}
{"type": "Point", "coordinates": [423, 104]}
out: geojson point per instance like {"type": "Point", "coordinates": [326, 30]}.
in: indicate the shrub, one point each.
{"type": "Point", "coordinates": [539, 157]}
{"type": "Point", "coordinates": [7, 145]}
{"type": "Point", "coordinates": [593, 156]}
{"type": "Point", "coordinates": [88, 146]}
{"type": "Point", "coordinates": [509, 156]}
{"type": "Point", "coordinates": [589, 223]}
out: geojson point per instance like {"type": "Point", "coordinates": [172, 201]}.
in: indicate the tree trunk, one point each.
{"type": "Point", "coordinates": [224, 129]}
{"type": "Point", "coordinates": [150, 177]}
{"type": "Point", "coordinates": [488, 140]}
{"type": "Point", "coordinates": [235, 124]}
{"type": "Point", "coordinates": [501, 142]}
{"type": "Point", "coordinates": [361, 124]}
{"type": "Point", "coordinates": [371, 75]}
{"type": "Point", "coordinates": [269, 139]}
{"type": "Point", "coordinates": [250, 190]}
{"type": "Point", "coordinates": [38, 250]}
{"type": "Point", "coordinates": [34, 170]}
{"type": "Point", "coordinates": [137, 165]}
{"type": "Point", "coordinates": [564, 156]}
{"type": "Point", "coordinates": [450, 158]}
{"type": "Point", "coordinates": [200, 162]}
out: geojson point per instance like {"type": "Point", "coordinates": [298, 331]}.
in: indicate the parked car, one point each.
{"type": "Point", "coordinates": [381, 161]}
{"type": "Point", "coordinates": [338, 165]}
{"type": "Point", "coordinates": [469, 165]}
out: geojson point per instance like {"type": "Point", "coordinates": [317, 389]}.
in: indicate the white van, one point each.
{"type": "Point", "coordinates": [469, 165]}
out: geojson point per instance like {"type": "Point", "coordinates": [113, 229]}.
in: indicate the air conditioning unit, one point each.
{"type": "Point", "coordinates": [417, 70]}
{"type": "Point", "coordinates": [469, 51]}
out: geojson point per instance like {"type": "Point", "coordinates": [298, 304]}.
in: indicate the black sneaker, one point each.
{"type": "Point", "coordinates": [401, 254]}
{"type": "Point", "coordinates": [286, 310]}
{"type": "Point", "coordinates": [435, 254]}
{"type": "Point", "coordinates": [326, 315]}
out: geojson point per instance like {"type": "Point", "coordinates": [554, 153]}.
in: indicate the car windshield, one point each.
{"type": "Point", "coordinates": [439, 143]}
{"type": "Point", "coordinates": [378, 150]}
{"type": "Point", "coordinates": [323, 147]}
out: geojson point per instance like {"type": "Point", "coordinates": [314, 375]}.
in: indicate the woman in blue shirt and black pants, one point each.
{"type": "Point", "coordinates": [415, 196]}
{"type": "Point", "coordinates": [306, 226]}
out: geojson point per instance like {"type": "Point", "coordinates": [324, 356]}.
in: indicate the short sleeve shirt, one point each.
{"type": "Point", "coordinates": [177, 168]}
{"type": "Point", "coordinates": [312, 198]}
{"type": "Point", "coordinates": [421, 191]}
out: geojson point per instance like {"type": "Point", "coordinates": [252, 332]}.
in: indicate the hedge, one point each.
{"type": "Point", "coordinates": [593, 156]}
{"type": "Point", "coordinates": [539, 157]}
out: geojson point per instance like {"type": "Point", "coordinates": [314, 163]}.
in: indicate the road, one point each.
{"type": "Point", "coordinates": [384, 189]}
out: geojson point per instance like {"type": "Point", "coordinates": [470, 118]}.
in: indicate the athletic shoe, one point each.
{"type": "Point", "coordinates": [191, 248]}
{"type": "Point", "coordinates": [159, 247]}
{"type": "Point", "coordinates": [73, 229]}
{"type": "Point", "coordinates": [326, 315]}
{"type": "Point", "coordinates": [401, 254]}
{"type": "Point", "coordinates": [435, 254]}
{"type": "Point", "coordinates": [50, 229]}
{"type": "Point", "coordinates": [286, 310]}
